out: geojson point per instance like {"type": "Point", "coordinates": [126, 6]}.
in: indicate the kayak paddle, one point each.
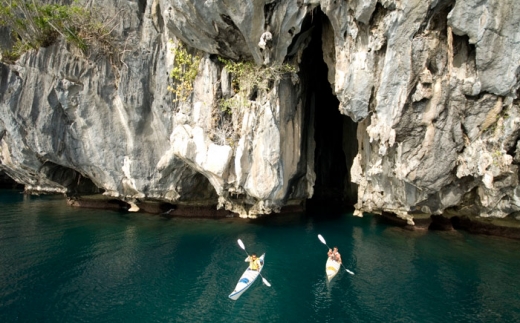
{"type": "Point", "coordinates": [241, 244]}
{"type": "Point", "coordinates": [325, 243]}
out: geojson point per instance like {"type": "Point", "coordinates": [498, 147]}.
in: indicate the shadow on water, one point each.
{"type": "Point", "coordinates": [316, 213]}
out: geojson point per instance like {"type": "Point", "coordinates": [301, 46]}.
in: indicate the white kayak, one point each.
{"type": "Point", "coordinates": [247, 279]}
{"type": "Point", "coordinates": [331, 268]}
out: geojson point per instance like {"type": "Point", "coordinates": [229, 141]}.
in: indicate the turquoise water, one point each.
{"type": "Point", "coordinates": [61, 264]}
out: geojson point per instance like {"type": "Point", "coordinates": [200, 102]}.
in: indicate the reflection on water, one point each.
{"type": "Point", "coordinates": [322, 300]}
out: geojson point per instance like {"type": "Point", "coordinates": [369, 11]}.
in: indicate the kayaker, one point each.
{"type": "Point", "coordinates": [254, 262]}
{"type": "Point", "coordinates": [334, 254]}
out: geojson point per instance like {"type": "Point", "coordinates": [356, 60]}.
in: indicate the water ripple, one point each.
{"type": "Point", "coordinates": [66, 265]}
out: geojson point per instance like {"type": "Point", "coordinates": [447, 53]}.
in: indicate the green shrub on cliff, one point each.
{"type": "Point", "coordinates": [248, 82]}
{"type": "Point", "coordinates": [184, 72]}
{"type": "Point", "coordinates": [34, 24]}
{"type": "Point", "coordinates": [248, 77]}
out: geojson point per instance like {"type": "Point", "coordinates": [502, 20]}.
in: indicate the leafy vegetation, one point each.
{"type": "Point", "coordinates": [184, 72]}
{"type": "Point", "coordinates": [248, 80]}
{"type": "Point", "coordinates": [34, 25]}
{"type": "Point", "coordinates": [248, 77]}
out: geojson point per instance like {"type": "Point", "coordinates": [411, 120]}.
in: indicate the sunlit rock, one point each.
{"type": "Point", "coordinates": [429, 87]}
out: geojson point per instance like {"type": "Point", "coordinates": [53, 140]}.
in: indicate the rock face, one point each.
{"type": "Point", "coordinates": [405, 106]}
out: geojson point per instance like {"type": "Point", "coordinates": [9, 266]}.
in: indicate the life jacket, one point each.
{"type": "Point", "coordinates": [254, 264]}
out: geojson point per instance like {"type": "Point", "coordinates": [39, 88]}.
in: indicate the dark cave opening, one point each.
{"type": "Point", "coordinates": [7, 182]}
{"type": "Point", "coordinates": [75, 182]}
{"type": "Point", "coordinates": [334, 133]}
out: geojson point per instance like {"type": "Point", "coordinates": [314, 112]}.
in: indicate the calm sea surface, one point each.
{"type": "Point", "coordinates": [61, 264]}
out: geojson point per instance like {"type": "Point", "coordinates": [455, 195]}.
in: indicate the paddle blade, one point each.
{"type": "Point", "coordinates": [322, 239]}
{"type": "Point", "coordinates": [350, 272]}
{"type": "Point", "coordinates": [241, 244]}
{"type": "Point", "coordinates": [266, 282]}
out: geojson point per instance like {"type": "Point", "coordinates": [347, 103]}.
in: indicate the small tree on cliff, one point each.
{"type": "Point", "coordinates": [184, 72]}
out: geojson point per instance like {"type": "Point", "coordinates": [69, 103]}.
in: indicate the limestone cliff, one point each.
{"type": "Point", "coordinates": [406, 106]}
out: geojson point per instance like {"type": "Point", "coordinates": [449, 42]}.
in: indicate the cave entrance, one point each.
{"type": "Point", "coordinates": [7, 182]}
{"type": "Point", "coordinates": [334, 133]}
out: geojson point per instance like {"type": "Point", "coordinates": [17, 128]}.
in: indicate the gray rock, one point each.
{"type": "Point", "coordinates": [432, 86]}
